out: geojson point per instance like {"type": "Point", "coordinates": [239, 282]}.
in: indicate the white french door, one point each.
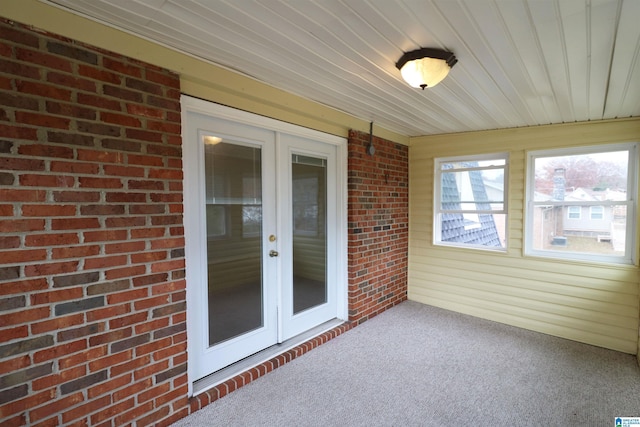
{"type": "Point", "coordinates": [263, 220]}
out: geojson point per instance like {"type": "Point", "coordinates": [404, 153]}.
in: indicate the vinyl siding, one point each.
{"type": "Point", "coordinates": [592, 303]}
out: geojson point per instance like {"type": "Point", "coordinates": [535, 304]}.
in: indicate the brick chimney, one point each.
{"type": "Point", "coordinates": [558, 184]}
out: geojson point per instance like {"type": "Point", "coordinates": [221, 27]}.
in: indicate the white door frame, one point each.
{"type": "Point", "coordinates": [191, 194]}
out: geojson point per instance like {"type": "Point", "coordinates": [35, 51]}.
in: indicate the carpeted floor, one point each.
{"type": "Point", "coordinates": [416, 365]}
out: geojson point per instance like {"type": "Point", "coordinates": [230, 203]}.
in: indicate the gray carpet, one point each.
{"type": "Point", "coordinates": [416, 365]}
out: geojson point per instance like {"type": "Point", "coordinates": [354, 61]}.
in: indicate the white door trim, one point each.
{"type": "Point", "coordinates": [195, 105]}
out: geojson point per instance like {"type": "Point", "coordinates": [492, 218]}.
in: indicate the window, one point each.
{"type": "Point", "coordinates": [596, 213]}
{"type": "Point", "coordinates": [574, 212]}
{"type": "Point", "coordinates": [470, 205]}
{"type": "Point", "coordinates": [581, 203]}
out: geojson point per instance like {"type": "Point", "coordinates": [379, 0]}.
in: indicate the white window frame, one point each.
{"type": "Point", "coordinates": [571, 211]}
{"type": "Point", "coordinates": [599, 210]}
{"type": "Point", "coordinates": [470, 213]}
{"type": "Point", "coordinates": [631, 203]}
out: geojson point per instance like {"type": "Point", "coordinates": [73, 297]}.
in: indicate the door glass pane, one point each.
{"type": "Point", "coordinates": [233, 179]}
{"type": "Point", "coordinates": [309, 203]}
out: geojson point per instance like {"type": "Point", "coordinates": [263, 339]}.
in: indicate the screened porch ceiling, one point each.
{"type": "Point", "coordinates": [521, 62]}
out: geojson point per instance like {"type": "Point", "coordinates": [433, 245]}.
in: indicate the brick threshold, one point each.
{"type": "Point", "coordinates": [220, 390]}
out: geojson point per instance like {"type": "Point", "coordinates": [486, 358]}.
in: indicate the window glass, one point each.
{"type": "Point", "coordinates": [470, 206]}
{"type": "Point", "coordinates": [579, 202]}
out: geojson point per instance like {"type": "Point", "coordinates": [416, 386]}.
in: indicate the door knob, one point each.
{"type": "Point", "coordinates": [273, 253]}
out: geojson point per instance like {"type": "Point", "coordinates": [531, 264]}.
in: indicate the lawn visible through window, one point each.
{"type": "Point", "coordinates": [580, 201]}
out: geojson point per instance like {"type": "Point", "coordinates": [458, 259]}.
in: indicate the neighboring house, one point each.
{"type": "Point", "coordinates": [599, 222]}
{"type": "Point", "coordinates": [589, 220]}
{"type": "Point", "coordinates": [467, 228]}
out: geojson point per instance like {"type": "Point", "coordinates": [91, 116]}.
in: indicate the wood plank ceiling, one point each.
{"type": "Point", "coordinates": [521, 62]}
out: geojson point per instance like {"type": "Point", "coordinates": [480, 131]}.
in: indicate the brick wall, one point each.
{"type": "Point", "coordinates": [92, 292]}
{"type": "Point", "coordinates": [378, 217]}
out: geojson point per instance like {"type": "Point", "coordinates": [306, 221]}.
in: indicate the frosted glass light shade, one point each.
{"type": "Point", "coordinates": [425, 67]}
{"type": "Point", "coordinates": [425, 72]}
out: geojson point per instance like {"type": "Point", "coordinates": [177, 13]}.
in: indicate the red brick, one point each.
{"type": "Point", "coordinates": [56, 296]}
{"type": "Point", "coordinates": [25, 316]}
{"type": "Point", "coordinates": [55, 407]}
{"type": "Point", "coordinates": [110, 337]}
{"type": "Point", "coordinates": [42, 120]}
{"type": "Point", "coordinates": [120, 170]}
{"type": "Point", "coordinates": [112, 411]}
{"type": "Point", "coordinates": [130, 320]}
{"type": "Point", "coordinates": [164, 79]}
{"type": "Point", "coordinates": [165, 174]}
{"type": "Point", "coordinates": [22, 164]}
{"type": "Point", "coordinates": [138, 411]}
{"type": "Point", "coordinates": [151, 302]}
{"type": "Point", "coordinates": [31, 401]}
{"type": "Point", "coordinates": [99, 74]}
{"type": "Point", "coordinates": [42, 59]}
{"type": "Point", "coordinates": [99, 101]}
{"type": "Point", "coordinates": [100, 156]}
{"type": "Point", "coordinates": [145, 111]}
{"type": "Point", "coordinates": [104, 236]}
{"type": "Point", "coordinates": [48, 210]}
{"type": "Point", "coordinates": [45, 150]}
{"type": "Point", "coordinates": [118, 273]}
{"type": "Point", "coordinates": [74, 167]}
{"type": "Point", "coordinates": [46, 180]}
{"type": "Point", "coordinates": [120, 119]}
{"type": "Point", "coordinates": [82, 357]}
{"type": "Point", "coordinates": [44, 90]}
{"type": "Point", "coordinates": [150, 369]}
{"type": "Point", "coordinates": [144, 160]}
{"type": "Point", "coordinates": [75, 252]}
{"type": "Point", "coordinates": [6, 210]}
{"type": "Point", "coordinates": [51, 239]}
{"type": "Point", "coordinates": [76, 196]}
{"type": "Point", "coordinates": [71, 81]}
{"type": "Point", "coordinates": [18, 132]}
{"type": "Point", "coordinates": [130, 367]}
{"type": "Point", "coordinates": [87, 408]}
{"type": "Point", "coordinates": [124, 247]}
{"type": "Point", "coordinates": [107, 312]}
{"type": "Point", "coordinates": [167, 265]}
{"type": "Point", "coordinates": [147, 233]}
{"type": "Point", "coordinates": [167, 352]}
{"type": "Point", "coordinates": [111, 360]}
{"type": "Point", "coordinates": [154, 392]}
{"type": "Point", "coordinates": [10, 365]}
{"type": "Point", "coordinates": [153, 325]}
{"type": "Point", "coordinates": [11, 195]}
{"type": "Point", "coordinates": [20, 287]}
{"type": "Point", "coordinates": [168, 243]}
{"type": "Point", "coordinates": [22, 256]}
{"type": "Point", "coordinates": [86, 182]}
{"type": "Point", "coordinates": [59, 351]}
{"type": "Point", "coordinates": [57, 323]}
{"type": "Point", "coordinates": [74, 223]}
{"type": "Point", "coordinates": [52, 268]}
{"type": "Point", "coordinates": [122, 67]}
{"type": "Point", "coordinates": [144, 257]}
{"type": "Point", "coordinates": [165, 127]}
{"type": "Point", "coordinates": [166, 288]}
{"type": "Point", "coordinates": [18, 35]}
{"type": "Point", "coordinates": [125, 222]}
{"type": "Point", "coordinates": [126, 197]}
{"type": "Point", "coordinates": [104, 262]}
{"type": "Point", "coordinates": [9, 334]}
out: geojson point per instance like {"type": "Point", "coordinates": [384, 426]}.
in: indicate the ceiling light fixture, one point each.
{"type": "Point", "coordinates": [425, 67]}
